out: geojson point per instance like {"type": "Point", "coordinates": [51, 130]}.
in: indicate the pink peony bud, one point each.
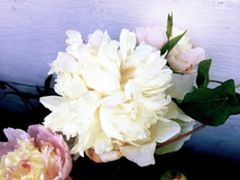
{"type": "Point", "coordinates": [184, 62]}
{"type": "Point", "coordinates": [154, 36]}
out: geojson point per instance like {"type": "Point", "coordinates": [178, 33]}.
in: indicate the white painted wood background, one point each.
{"type": "Point", "coordinates": [32, 31]}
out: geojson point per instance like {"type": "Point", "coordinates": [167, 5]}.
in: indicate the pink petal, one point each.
{"type": "Point", "coordinates": [13, 135]}
{"type": "Point", "coordinates": [41, 133]}
{"type": "Point", "coordinates": [194, 56]}
{"type": "Point", "coordinates": [154, 36]}
{"type": "Point", "coordinates": [140, 34]}
{"type": "Point", "coordinates": [187, 60]}
{"type": "Point", "coordinates": [6, 147]}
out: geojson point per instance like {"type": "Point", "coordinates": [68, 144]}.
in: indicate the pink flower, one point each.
{"type": "Point", "coordinates": [154, 36]}
{"type": "Point", "coordinates": [184, 62]}
{"type": "Point", "coordinates": [41, 154]}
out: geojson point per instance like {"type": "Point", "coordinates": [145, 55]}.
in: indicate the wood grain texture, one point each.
{"type": "Point", "coordinates": [32, 32]}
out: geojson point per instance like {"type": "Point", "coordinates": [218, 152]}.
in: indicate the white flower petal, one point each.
{"type": "Point", "coordinates": [166, 130]}
{"type": "Point", "coordinates": [119, 124]}
{"type": "Point", "coordinates": [70, 86]}
{"type": "Point", "coordinates": [127, 43]}
{"type": "Point", "coordinates": [185, 127]}
{"type": "Point", "coordinates": [97, 37]}
{"type": "Point", "coordinates": [108, 57]}
{"type": "Point", "coordinates": [174, 112]}
{"type": "Point", "coordinates": [102, 143]}
{"type": "Point", "coordinates": [142, 155]}
{"type": "Point", "coordinates": [100, 80]}
{"type": "Point", "coordinates": [110, 156]}
{"type": "Point", "coordinates": [181, 85]}
{"type": "Point", "coordinates": [113, 99]}
{"type": "Point", "coordinates": [79, 52]}
{"type": "Point", "coordinates": [52, 102]}
{"type": "Point", "coordinates": [74, 37]}
{"type": "Point", "coordinates": [64, 63]}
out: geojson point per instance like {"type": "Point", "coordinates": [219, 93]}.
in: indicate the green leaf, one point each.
{"type": "Point", "coordinates": [203, 73]}
{"type": "Point", "coordinates": [212, 106]}
{"type": "Point", "coordinates": [47, 83]}
{"type": "Point", "coordinates": [169, 25]}
{"type": "Point", "coordinates": [171, 43]}
{"type": "Point", "coordinates": [236, 108]}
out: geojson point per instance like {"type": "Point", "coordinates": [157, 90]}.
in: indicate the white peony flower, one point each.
{"type": "Point", "coordinates": [113, 98]}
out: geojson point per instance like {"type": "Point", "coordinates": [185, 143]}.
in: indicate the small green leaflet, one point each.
{"type": "Point", "coordinates": [169, 26]}
{"type": "Point", "coordinates": [171, 43]}
{"type": "Point", "coordinates": [203, 73]}
{"type": "Point", "coordinates": [212, 106]}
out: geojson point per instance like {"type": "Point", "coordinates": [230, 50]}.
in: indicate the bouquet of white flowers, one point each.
{"type": "Point", "coordinates": [129, 98]}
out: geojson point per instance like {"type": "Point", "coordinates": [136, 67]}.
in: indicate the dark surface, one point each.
{"type": "Point", "coordinates": [194, 164]}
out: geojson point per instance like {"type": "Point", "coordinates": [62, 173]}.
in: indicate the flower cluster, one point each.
{"type": "Point", "coordinates": [127, 98]}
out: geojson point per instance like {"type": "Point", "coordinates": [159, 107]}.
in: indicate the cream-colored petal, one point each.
{"type": "Point", "coordinates": [104, 157]}
{"type": "Point", "coordinates": [70, 86]}
{"type": "Point", "coordinates": [127, 43]}
{"type": "Point", "coordinates": [119, 124]}
{"type": "Point", "coordinates": [97, 37]}
{"type": "Point", "coordinates": [142, 155]}
{"type": "Point", "coordinates": [100, 80]}
{"type": "Point", "coordinates": [181, 85]}
{"type": "Point", "coordinates": [108, 57]}
{"type": "Point", "coordinates": [79, 52]}
{"type": "Point", "coordinates": [185, 127]}
{"type": "Point", "coordinates": [113, 99]}
{"type": "Point", "coordinates": [174, 112]}
{"type": "Point", "coordinates": [52, 102]}
{"type": "Point", "coordinates": [74, 37]}
{"type": "Point", "coordinates": [166, 130]}
{"type": "Point", "coordinates": [64, 63]}
{"type": "Point", "coordinates": [102, 143]}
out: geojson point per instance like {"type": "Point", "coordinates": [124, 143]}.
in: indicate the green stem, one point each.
{"type": "Point", "coordinates": [216, 81]}
{"type": "Point", "coordinates": [177, 138]}
{"type": "Point", "coordinates": [26, 102]}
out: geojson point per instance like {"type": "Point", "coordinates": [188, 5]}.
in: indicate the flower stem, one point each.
{"type": "Point", "coordinates": [216, 81]}
{"type": "Point", "coordinates": [20, 94]}
{"type": "Point", "coordinates": [175, 139]}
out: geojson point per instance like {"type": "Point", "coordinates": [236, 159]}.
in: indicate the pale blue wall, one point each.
{"type": "Point", "coordinates": [32, 31]}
